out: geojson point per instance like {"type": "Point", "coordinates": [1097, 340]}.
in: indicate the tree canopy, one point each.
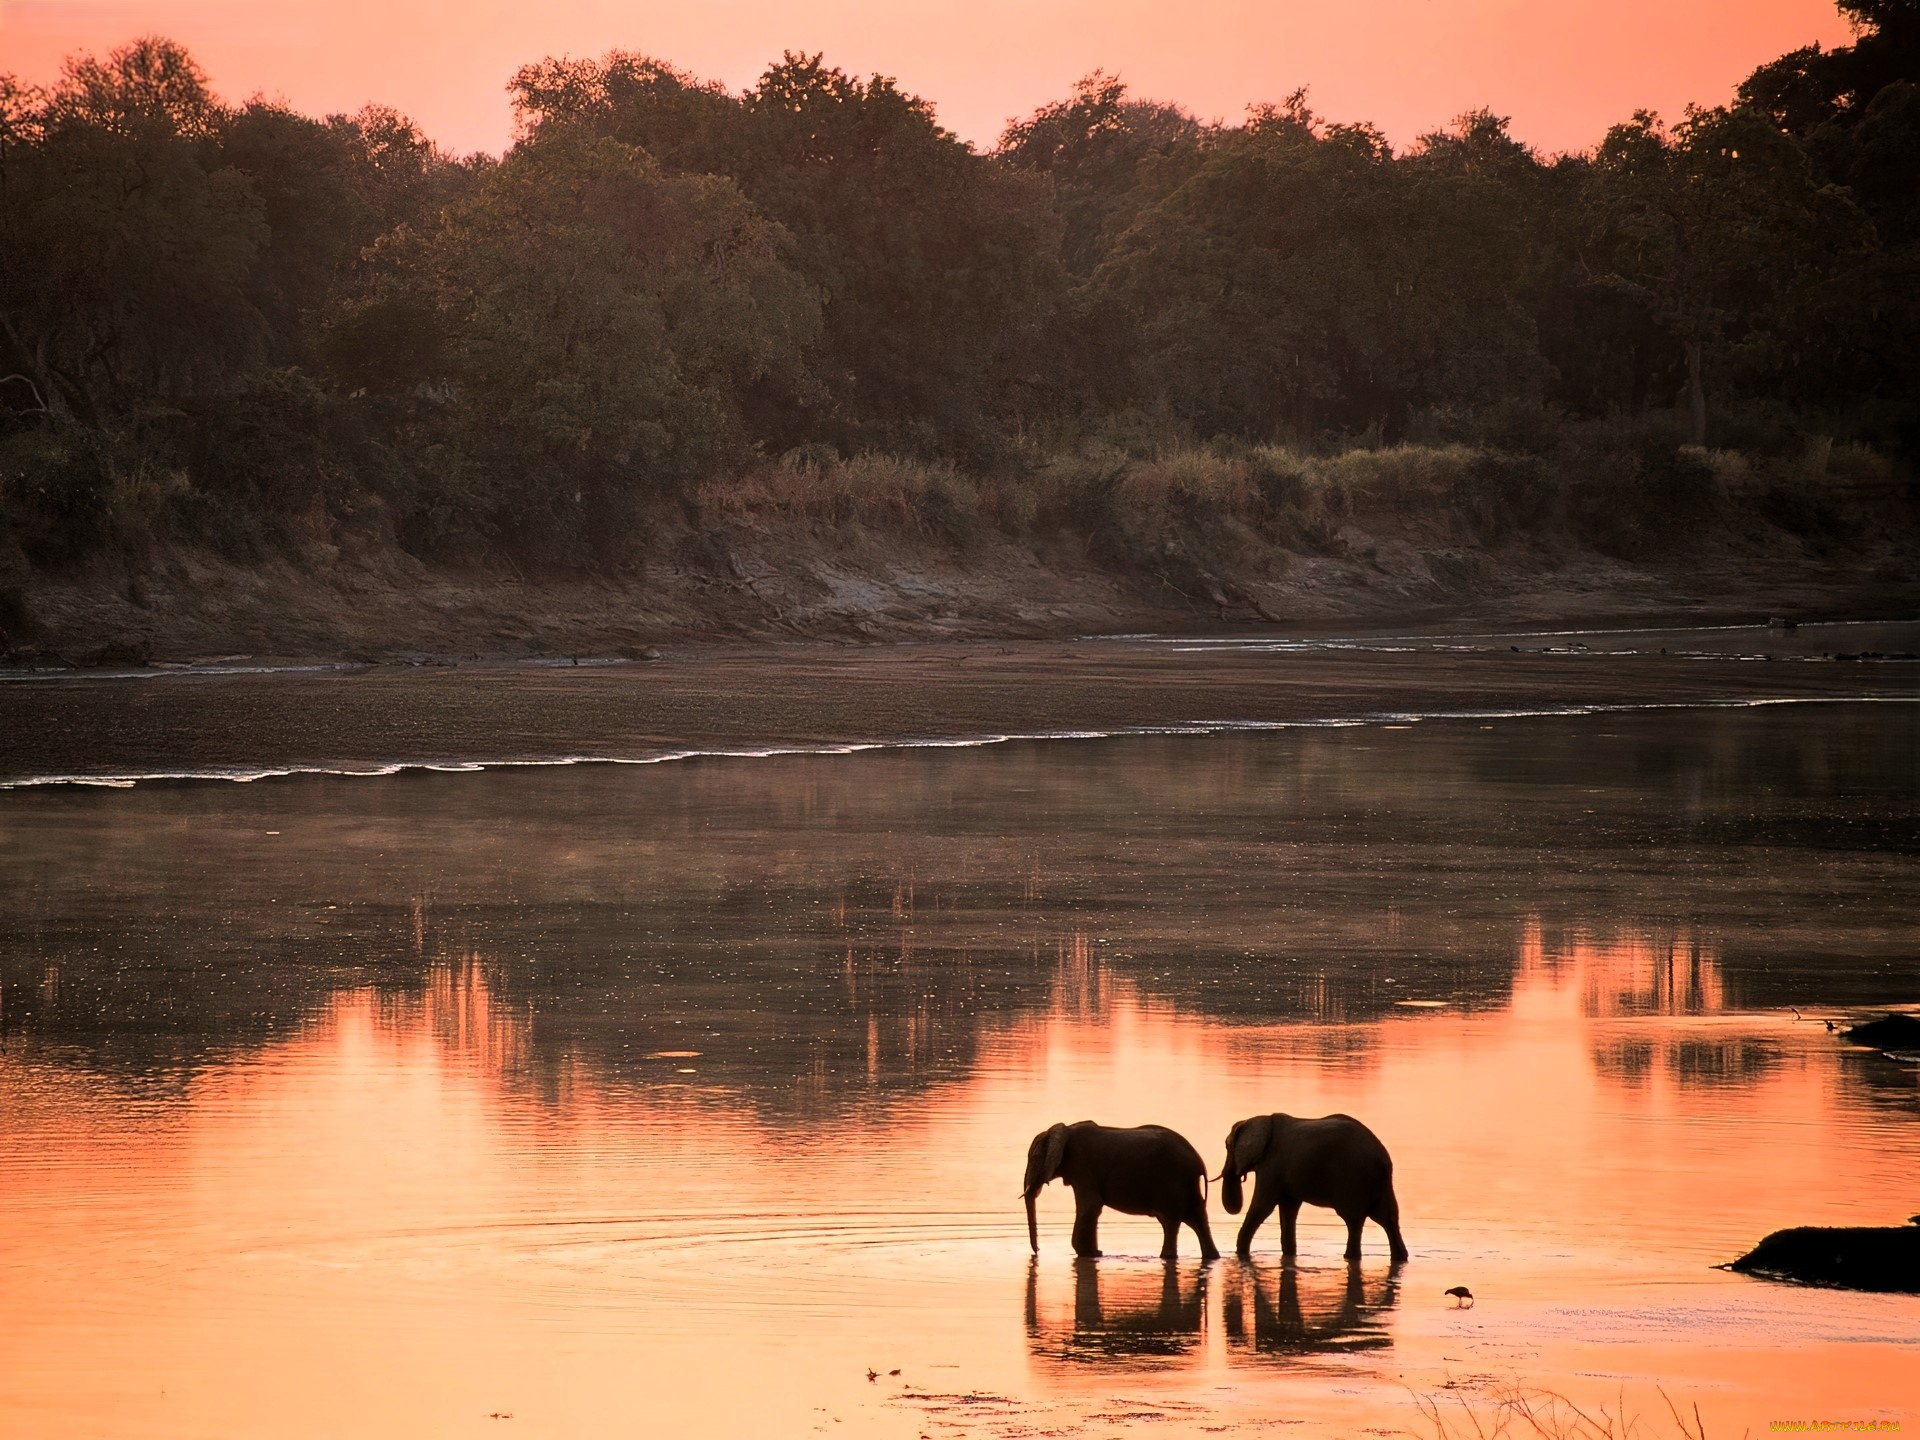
{"type": "Point", "coordinates": [663, 278]}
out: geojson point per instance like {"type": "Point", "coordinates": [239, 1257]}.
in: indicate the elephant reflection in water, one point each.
{"type": "Point", "coordinates": [1122, 1312]}
{"type": "Point", "coordinates": [1280, 1298]}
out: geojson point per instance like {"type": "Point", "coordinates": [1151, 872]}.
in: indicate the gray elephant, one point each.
{"type": "Point", "coordinates": [1145, 1170]}
{"type": "Point", "coordinates": [1334, 1161]}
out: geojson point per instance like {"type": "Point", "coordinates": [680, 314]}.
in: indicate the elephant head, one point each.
{"type": "Point", "coordinates": [1247, 1145]}
{"type": "Point", "coordinates": [1045, 1156]}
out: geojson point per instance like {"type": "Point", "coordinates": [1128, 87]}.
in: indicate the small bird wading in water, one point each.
{"type": "Point", "coordinates": [1462, 1297]}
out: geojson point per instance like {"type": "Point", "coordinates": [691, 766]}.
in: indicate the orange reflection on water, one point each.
{"type": "Point", "coordinates": [1670, 973]}
{"type": "Point", "coordinates": [457, 1007]}
{"type": "Point", "coordinates": [403, 1220]}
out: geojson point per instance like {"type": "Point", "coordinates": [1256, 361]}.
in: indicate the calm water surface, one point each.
{"type": "Point", "coordinates": [674, 1100]}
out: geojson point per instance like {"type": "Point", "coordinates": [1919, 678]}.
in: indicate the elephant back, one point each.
{"type": "Point", "coordinates": [1335, 1155]}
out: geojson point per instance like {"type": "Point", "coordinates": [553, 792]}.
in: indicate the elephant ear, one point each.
{"type": "Point", "coordinates": [1251, 1138]}
{"type": "Point", "coordinates": [1056, 1153]}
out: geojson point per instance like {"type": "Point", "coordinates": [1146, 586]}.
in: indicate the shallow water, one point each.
{"type": "Point", "coordinates": [675, 1099]}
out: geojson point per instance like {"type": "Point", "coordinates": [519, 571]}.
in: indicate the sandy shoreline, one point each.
{"type": "Point", "coordinates": [815, 696]}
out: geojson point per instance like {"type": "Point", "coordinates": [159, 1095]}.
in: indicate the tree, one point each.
{"type": "Point", "coordinates": [1711, 228]}
{"type": "Point", "coordinates": [937, 267]}
{"type": "Point", "coordinates": [328, 189]}
{"type": "Point", "coordinates": [1481, 145]}
{"type": "Point", "coordinates": [125, 259]}
{"type": "Point", "coordinates": [687, 124]}
{"type": "Point", "coordinates": [1799, 92]}
{"type": "Point", "coordinates": [1107, 155]}
{"type": "Point", "coordinates": [600, 321]}
{"type": "Point", "coordinates": [151, 87]}
{"type": "Point", "coordinates": [1302, 278]}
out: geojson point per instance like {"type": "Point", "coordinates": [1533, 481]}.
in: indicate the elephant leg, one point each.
{"type": "Point", "coordinates": [1387, 1215]}
{"type": "Point", "coordinates": [1086, 1225]}
{"type": "Point", "coordinates": [1356, 1222]}
{"type": "Point", "coordinates": [1197, 1219]}
{"type": "Point", "coordinates": [1169, 1237]}
{"type": "Point", "coordinates": [1289, 1236]}
{"type": "Point", "coordinates": [1258, 1209]}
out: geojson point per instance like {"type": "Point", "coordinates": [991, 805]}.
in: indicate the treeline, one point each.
{"type": "Point", "coordinates": [238, 321]}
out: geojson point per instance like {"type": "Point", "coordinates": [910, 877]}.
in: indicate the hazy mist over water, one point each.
{"type": "Point", "coordinates": [677, 1098]}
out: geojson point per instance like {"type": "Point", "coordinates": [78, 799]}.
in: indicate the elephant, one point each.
{"type": "Point", "coordinates": [1145, 1170]}
{"type": "Point", "coordinates": [1334, 1161]}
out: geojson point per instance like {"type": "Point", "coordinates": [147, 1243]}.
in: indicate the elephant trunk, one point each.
{"type": "Point", "coordinates": [1230, 1189]}
{"type": "Point", "coordinates": [1033, 1222]}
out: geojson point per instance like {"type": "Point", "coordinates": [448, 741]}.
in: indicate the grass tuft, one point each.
{"type": "Point", "coordinates": [1518, 1413]}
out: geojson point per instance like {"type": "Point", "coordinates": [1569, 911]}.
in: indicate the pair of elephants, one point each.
{"type": "Point", "coordinates": [1333, 1161]}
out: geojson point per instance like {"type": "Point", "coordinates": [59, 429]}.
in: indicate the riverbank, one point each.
{"type": "Point", "coordinates": [873, 549]}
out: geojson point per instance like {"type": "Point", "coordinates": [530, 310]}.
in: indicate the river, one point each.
{"type": "Point", "coordinates": [692, 1097]}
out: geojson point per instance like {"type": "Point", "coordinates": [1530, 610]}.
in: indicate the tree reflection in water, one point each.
{"type": "Point", "coordinates": [829, 932]}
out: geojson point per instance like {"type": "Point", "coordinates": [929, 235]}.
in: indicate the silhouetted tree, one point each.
{"type": "Point", "coordinates": [1302, 279]}
{"type": "Point", "coordinates": [937, 268]}
{"type": "Point", "coordinates": [597, 321]}
{"type": "Point", "coordinates": [125, 262]}
{"type": "Point", "coordinates": [1108, 155]}
{"type": "Point", "coordinates": [258, 314]}
{"type": "Point", "coordinates": [1712, 227]}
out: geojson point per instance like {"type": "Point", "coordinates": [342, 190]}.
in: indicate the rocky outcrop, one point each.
{"type": "Point", "coordinates": [1883, 1258]}
{"type": "Point", "coordinates": [1890, 1032]}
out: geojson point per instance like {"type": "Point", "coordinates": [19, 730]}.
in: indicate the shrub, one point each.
{"type": "Point", "coordinates": [1497, 495]}
{"type": "Point", "coordinates": [56, 488]}
{"type": "Point", "coordinates": [263, 443]}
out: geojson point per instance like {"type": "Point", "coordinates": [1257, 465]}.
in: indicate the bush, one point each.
{"type": "Point", "coordinates": [264, 443]}
{"type": "Point", "coordinates": [1278, 478]}
{"type": "Point", "coordinates": [56, 491]}
{"type": "Point", "coordinates": [1639, 499]}
{"type": "Point", "coordinates": [1518, 426]}
{"type": "Point", "coordinates": [1498, 495]}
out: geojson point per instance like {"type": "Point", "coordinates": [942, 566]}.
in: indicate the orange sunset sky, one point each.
{"type": "Point", "coordinates": [1563, 69]}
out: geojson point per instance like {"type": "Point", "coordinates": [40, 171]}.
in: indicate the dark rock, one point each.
{"type": "Point", "coordinates": [16, 618]}
{"type": "Point", "coordinates": [120, 654]}
{"type": "Point", "coordinates": [1884, 1258]}
{"type": "Point", "coordinates": [1890, 1032]}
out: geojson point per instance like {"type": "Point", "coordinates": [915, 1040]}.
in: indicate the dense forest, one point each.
{"type": "Point", "coordinates": [226, 324]}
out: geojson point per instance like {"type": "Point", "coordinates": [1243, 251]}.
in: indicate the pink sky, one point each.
{"type": "Point", "coordinates": [1563, 69]}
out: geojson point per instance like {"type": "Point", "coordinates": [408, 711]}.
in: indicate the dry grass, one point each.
{"type": "Point", "coordinates": [877, 489]}
{"type": "Point", "coordinates": [1619, 493]}
{"type": "Point", "coordinates": [1517, 1413]}
{"type": "Point", "coordinates": [1399, 477]}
